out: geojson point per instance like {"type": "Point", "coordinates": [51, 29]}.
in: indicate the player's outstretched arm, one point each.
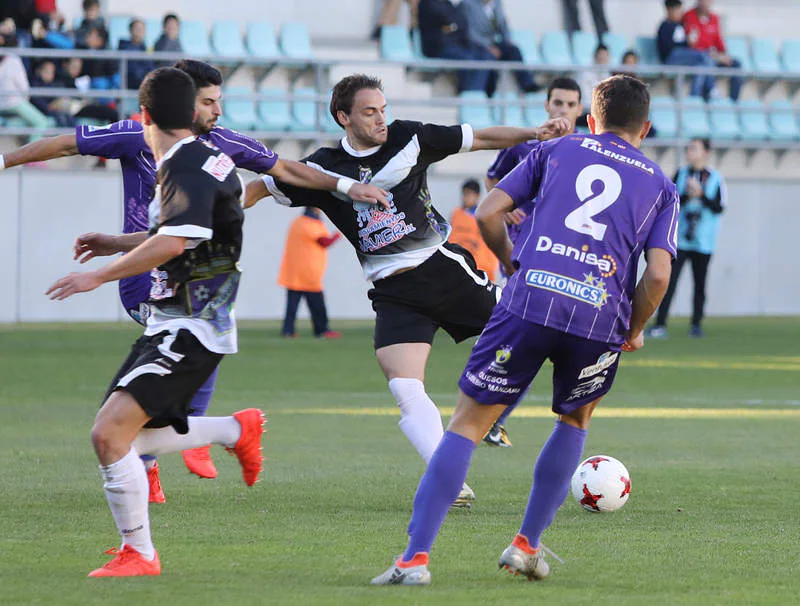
{"type": "Point", "coordinates": [93, 244]}
{"type": "Point", "coordinates": [41, 151]}
{"type": "Point", "coordinates": [648, 294]}
{"type": "Point", "coordinates": [500, 137]}
{"type": "Point", "coordinates": [490, 215]}
{"type": "Point", "coordinates": [151, 253]}
{"type": "Point", "coordinates": [255, 191]}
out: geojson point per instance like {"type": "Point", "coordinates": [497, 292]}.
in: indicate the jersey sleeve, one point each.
{"type": "Point", "coordinates": [664, 232]}
{"type": "Point", "coordinates": [291, 195]}
{"type": "Point", "coordinates": [187, 205]}
{"type": "Point", "coordinates": [115, 140]}
{"type": "Point", "coordinates": [245, 151]}
{"type": "Point", "coordinates": [436, 142]}
{"type": "Point", "coordinates": [503, 164]}
{"type": "Point", "coordinates": [522, 183]}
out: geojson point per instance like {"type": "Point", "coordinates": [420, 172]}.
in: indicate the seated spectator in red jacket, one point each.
{"type": "Point", "coordinates": [703, 33]}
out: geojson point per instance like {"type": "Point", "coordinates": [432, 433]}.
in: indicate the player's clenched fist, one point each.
{"type": "Point", "coordinates": [552, 129]}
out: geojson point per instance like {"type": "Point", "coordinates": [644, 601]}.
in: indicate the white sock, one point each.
{"type": "Point", "coordinates": [202, 432]}
{"type": "Point", "coordinates": [127, 491]}
{"type": "Point", "coordinates": [420, 420]}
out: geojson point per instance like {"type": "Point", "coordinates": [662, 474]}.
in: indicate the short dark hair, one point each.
{"type": "Point", "coordinates": [344, 93]}
{"type": "Point", "coordinates": [563, 84]}
{"type": "Point", "coordinates": [705, 141]}
{"type": "Point", "coordinates": [621, 102]}
{"type": "Point", "coordinates": [672, 3]}
{"type": "Point", "coordinates": [87, 4]}
{"type": "Point", "coordinates": [133, 22]}
{"type": "Point", "coordinates": [630, 53]}
{"type": "Point", "coordinates": [168, 95]}
{"type": "Point", "coordinates": [204, 74]}
{"type": "Point", "coordinates": [101, 31]}
{"type": "Point", "coordinates": [600, 47]}
{"type": "Point", "coordinates": [472, 185]}
{"type": "Point", "coordinates": [169, 16]}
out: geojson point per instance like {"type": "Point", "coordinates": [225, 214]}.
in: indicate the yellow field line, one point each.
{"type": "Point", "coordinates": [539, 412]}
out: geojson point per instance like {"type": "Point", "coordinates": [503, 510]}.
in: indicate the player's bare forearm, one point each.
{"type": "Point", "coordinates": [650, 290]}
{"type": "Point", "coordinates": [42, 150]}
{"type": "Point", "coordinates": [491, 222]}
{"type": "Point", "coordinates": [501, 137]}
{"type": "Point", "coordinates": [127, 242]}
{"type": "Point", "coordinates": [93, 244]}
{"type": "Point", "coordinates": [255, 191]}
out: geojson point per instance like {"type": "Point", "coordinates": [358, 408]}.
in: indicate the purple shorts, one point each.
{"type": "Point", "coordinates": [510, 352]}
{"type": "Point", "coordinates": [134, 293]}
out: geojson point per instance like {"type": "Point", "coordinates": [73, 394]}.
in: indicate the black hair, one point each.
{"type": "Point", "coordinates": [344, 93]}
{"type": "Point", "coordinates": [87, 4]}
{"type": "Point", "coordinates": [168, 95]}
{"type": "Point", "coordinates": [133, 22]}
{"type": "Point", "coordinates": [101, 31]}
{"type": "Point", "coordinates": [600, 47]}
{"type": "Point", "coordinates": [621, 102]}
{"type": "Point", "coordinates": [672, 3]}
{"type": "Point", "coordinates": [705, 141]}
{"type": "Point", "coordinates": [169, 16]}
{"type": "Point", "coordinates": [204, 74]}
{"type": "Point", "coordinates": [564, 84]}
{"type": "Point", "coordinates": [630, 53]}
{"type": "Point", "coordinates": [471, 184]}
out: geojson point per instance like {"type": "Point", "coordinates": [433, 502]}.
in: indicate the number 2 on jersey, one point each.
{"type": "Point", "coordinates": [580, 219]}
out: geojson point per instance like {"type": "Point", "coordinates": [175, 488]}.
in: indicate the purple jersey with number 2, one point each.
{"type": "Point", "coordinates": [124, 141]}
{"type": "Point", "coordinates": [599, 203]}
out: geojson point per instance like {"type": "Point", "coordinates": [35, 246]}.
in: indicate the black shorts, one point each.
{"type": "Point", "coordinates": [163, 372]}
{"type": "Point", "coordinates": [447, 291]}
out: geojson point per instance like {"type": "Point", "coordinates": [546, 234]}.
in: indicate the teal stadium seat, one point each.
{"type": "Point", "coordinates": [790, 55]}
{"type": "Point", "coordinates": [261, 41]}
{"type": "Point", "coordinates": [295, 41]}
{"type": "Point", "coordinates": [510, 112]}
{"type": "Point", "coordinates": [765, 55]}
{"type": "Point", "coordinates": [226, 38]}
{"type": "Point", "coordinates": [240, 114]}
{"type": "Point", "coordinates": [152, 31]}
{"type": "Point", "coordinates": [583, 46]}
{"type": "Point", "coordinates": [647, 48]}
{"type": "Point", "coordinates": [274, 113]}
{"type": "Point", "coordinates": [329, 125]}
{"type": "Point", "coordinates": [694, 119]}
{"type": "Point", "coordinates": [416, 44]}
{"type": "Point", "coordinates": [395, 44]}
{"type": "Point", "coordinates": [617, 45]}
{"type": "Point", "coordinates": [533, 107]}
{"type": "Point", "coordinates": [555, 48]}
{"type": "Point", "coordinates": [477, 112]}
{"type": "Point", "coordinates": [194, 39]}
{"type": "Point", "coordinates": [754, 121]}
{"type": "Point", "coordinates": [738, 48]}
{"type": "Point", "coordinates": [723, 119]}
{"type": "Point", "coordinates": [118, 29]}
{"type": "Point", "coordinates": [664, 117]}
{"type": "Point", "coordinates": [304, 110]}
{"type": "Point", "coordinates": [528, 47]}
{"type": "Point", "coordinates": [783, 121]}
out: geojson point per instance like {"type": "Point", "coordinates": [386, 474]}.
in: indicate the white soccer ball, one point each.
{"type": "Point", "coordinates": [601, 483]}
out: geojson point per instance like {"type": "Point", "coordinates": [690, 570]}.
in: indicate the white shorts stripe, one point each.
{"type": "Point", "coordinates": [147, 369]}
{"type": "Point", "coordinates": [463, 263]}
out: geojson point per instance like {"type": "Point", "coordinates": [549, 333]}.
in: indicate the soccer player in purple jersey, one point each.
{"type": "Point", "coordinates": [572, 297]}
{"type": "Point", "coordinates": [124, 140]}
{"type": "Point", "coordinates": [563, 101]}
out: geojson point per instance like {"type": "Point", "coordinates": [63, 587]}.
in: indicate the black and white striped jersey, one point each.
{"type": "Point", "coordinates": [412, 230]}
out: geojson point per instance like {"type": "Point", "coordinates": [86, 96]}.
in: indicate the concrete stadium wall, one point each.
{"type": "Point", "coordinates": [44, 210]}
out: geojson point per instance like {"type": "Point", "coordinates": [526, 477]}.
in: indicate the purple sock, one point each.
{"type": "Point", "coordinates": [437, 490]}
{"type": "Point", "coordinates": [551, 477]}
{"type": "Point", "coordinates": [202, 398]}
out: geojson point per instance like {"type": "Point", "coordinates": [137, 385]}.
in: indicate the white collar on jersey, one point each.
{"type": "Point", "coordinates": [358, 153]}
{"type": "Point", "coordinates": [173, 149]}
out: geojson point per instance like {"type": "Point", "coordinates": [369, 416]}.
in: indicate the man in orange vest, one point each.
{"type": "Point", "coordinates": [305, 258]}
{"type": "Point", "coordinates": [465, 229]}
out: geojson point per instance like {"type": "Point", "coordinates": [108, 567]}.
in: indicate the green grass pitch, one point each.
{"type": "Point", "coordinates": [709, 429]}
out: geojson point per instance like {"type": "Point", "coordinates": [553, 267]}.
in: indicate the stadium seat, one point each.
{"type": "Point", "coordinates": [534, 111]}
{"type": "Point", "coordinates": [738, 48]}
{"type": "Point", "coordinates": [583, 46]}
{"type": "Point", "coordinates": [617, 46]}
{"type": "Point", "coordinates": [723, 119]}
{"type": "Point", "coordinates": [526, 41]}
{"type": "Point", "coordinates": [295, 41]}
{"type": "Point", "coordinates": [647, 48]}
{"type": "Point", "coordinates": [790, 55]}
{"type": "Point", "coordinates": [304, 110]}
{"type": "Point", "coordinates": [152, 31]}
{"type": "Point", "coordinates": [555, 48]}
{"type": "Point", "coordinates": [240, 114]}
{"type": "Point", "coordinates": [395, 44]}
{"type": "Point", "coordinates": [476, 113]}
{"type": "Point", "coordinates": [664, 117]}
{"type": "Point", "coordinates": [783, 121]}
{"type": "Point", "coordinates": [416, 44]}
{"type": "Point", "coordinates": [226, 38]}
{"type": "Point", "coordinates": [194, 39]}
{"type": "Point", "coordinates": [118, 29]}
{"type": "Point", "coordinates": [509, 113]}
{"type": "Point", "coordinates": [765, 55]}
{"type": "Point", "coordinates": [754, 121]}
{"type": "Point", "coordinates": [274, 113]}
{"type": "Point", "coordinates": [261, 41]}
{"type": "Point", "coordinates": [694, 118]}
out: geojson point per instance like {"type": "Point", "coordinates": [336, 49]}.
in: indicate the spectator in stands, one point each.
{"type": "Point", "coordinates": [703, 33]}
{"type": "Point", "coordinates": [598, 16]}
{"type": "Point", "coordinates": [487, 29]}
{"type": "Point", "coordinates": [390, 15]}
{"type": "Point", "coordinates": [630, 58]}
{"type": "Point", "coordinates": [443, 30]}
{"type": "Point", "coordinates": [14, 86]}
{"type": "Point", "coordinates": [91, 20]}
{"type": "Point", "coordinates": [674, 49]}
{"type": "Point", "coordinates": [57, 108]}
{"type": "Point", "coordinates": [305, 258]}
{"type": "Point", "coordinates": [137, 70]}
{"type": "Point", "coordinates": [103, 72]}
{"type": "Point", "coordinates": [21, 12]}
{"type": "Point", "coordinates": [465, 229]}
{"type": "Point", "coordinates": [168, 40]}
{"type": "Point", "coordinates": [589, 78]}
{"type": "Point", "coordinates": [71, 76]}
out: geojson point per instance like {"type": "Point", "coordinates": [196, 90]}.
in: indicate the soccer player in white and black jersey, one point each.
{"type": "Point", "coordinates": [421, 282]}
{"type": "Point", "coordinates": [195, 242]}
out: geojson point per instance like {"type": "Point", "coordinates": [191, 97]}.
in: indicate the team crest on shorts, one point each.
{"type": "Point", "coordinates": [501, 356]}
{"type": "Point", "coordinates": [592, 290]}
